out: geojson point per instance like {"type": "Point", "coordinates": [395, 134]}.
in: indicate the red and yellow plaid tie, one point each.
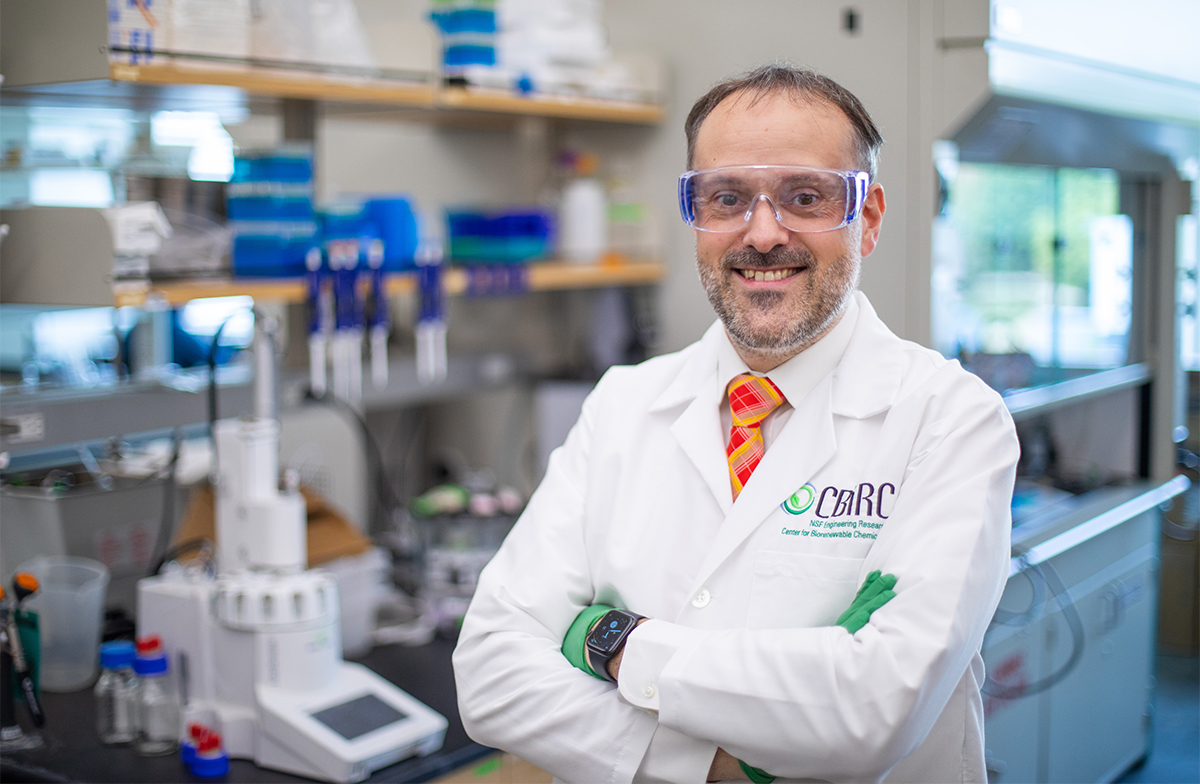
{"type": "Point", "coordinates": [751, 400]}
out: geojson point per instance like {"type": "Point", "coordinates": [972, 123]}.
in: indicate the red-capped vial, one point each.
{"type": "Point", "coordinates": [211, 758]}
{"type": "Point", "coordinates": [149, 645]}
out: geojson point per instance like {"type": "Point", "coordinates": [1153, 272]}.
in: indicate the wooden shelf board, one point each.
{"type": "Point", "coordinates": [182, 292]}
{"type": "Point", "coordinates": [452, 101]}
{"type": "Point", "coordinates": [281, 82]}
{"type": "Point", "coordinates": [559, 106]}
{"type": "Point", "coordinates": [543, 276]}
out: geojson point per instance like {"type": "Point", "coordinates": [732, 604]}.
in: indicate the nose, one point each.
{"type": "Point", "coordinates": [763, 230]}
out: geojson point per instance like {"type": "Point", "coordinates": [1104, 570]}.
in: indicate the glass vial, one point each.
{"type": "Point", "coordinates": [117, 694]}
{"type": "Point", "coordinates": [159, 711]}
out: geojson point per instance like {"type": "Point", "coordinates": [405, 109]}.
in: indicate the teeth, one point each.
{"type": "Point", "coordinates": [767, 276]}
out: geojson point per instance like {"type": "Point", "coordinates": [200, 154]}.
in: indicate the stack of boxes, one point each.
{"type": "Point", "coordinates": [270, 210]}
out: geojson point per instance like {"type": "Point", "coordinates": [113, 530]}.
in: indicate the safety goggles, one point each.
{"type": "Point", "coordinates": [802, 199]}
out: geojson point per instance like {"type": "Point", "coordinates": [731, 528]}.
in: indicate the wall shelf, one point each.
{"type": "Point", "coordinates": [178, 86]}
{"type": "Point", "coordinates": [543, 276]}
{"type": "Point", "coordinates": [281, 82]}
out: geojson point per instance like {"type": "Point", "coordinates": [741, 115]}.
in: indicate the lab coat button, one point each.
{"type": "Point", "coordinates": [702, 598]}
{"type": "Point", "coordinates": [649, 690]}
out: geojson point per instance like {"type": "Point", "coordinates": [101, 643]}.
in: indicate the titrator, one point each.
{"type": "Point", "coordinates": [258, 645]}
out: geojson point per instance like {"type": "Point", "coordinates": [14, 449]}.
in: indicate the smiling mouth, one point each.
{"type": "Point", "coordinates": [768, 275]}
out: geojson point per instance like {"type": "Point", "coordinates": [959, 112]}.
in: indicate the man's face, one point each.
{"type": "Point", "coordinates": [809, 277]}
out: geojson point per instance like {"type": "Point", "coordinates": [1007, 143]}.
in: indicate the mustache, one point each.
{"type": "Point", "coordinates": [749, 258]}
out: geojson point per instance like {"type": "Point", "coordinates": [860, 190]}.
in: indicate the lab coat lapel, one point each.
{"type": "Point", "coordinates": [698, 431]}
{"type": "Point", "coordinates": [698, 428]}
{"type": "Point", "coordinates": [806, 443]}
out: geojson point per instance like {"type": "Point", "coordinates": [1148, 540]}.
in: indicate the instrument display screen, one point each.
{"type": "Point", "coordinates": [359, 716]}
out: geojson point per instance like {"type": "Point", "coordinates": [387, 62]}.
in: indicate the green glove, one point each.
{"type": "Point", "coordinates": [875, 592]}
{"type": "Point", "coordinates": [573, 643]}
{"type": "Point", "coordinates": [757, 775]}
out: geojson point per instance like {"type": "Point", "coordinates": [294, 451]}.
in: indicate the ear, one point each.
{"type": "Point", "coordinates": [872, 218]}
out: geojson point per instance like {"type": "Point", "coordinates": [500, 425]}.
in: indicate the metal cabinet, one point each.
{"type": "Point", "coordinates": [1070, 658]}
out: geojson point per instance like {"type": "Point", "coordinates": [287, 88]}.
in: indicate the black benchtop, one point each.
{"type": "Point", "coordinates": [73, 751]}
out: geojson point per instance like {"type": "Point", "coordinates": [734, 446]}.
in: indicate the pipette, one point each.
{"type": "Point", "coordinates": [354, 333]}
{"type": "Point", "coordinates": [431, 322]}
{"type": "Point", "coordinates": [343, 260]}
{"type": "Point", "coordinates": [380, 317]}
{"type": "Point", "coordinates": [318, 323]}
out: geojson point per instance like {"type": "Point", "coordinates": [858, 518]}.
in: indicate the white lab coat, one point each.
{"type": "Point", "coordinates": [636, 511]}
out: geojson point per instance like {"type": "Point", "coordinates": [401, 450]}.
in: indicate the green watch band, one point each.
{"type": "Point", "coordinates": [573, 643]}
{"type": "Point", "coordinates": [757, 775]}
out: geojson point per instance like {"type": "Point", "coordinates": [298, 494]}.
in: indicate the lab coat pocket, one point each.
{"type": "Point", "coordinates": [796, 590]}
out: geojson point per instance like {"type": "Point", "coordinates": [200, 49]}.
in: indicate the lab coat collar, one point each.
{"type": "Point", "coordinates": [697, 369]}
{"type": "Point", "coordinates": [868, 377]}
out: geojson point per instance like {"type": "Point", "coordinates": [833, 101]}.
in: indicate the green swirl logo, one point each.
{"type": "Point", "coordinates": [799, 501]}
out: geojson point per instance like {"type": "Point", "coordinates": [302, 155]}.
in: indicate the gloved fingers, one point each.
{"type": "Point", "coordinates": [846, 614]}
{"type": "Point", "coordinates": [883, 583]}
{"type": "Point", "coordinates": [870, 580]}
{"type": "Point", "coordinates": [866, 589]}
{"type": "Point", "coordinates": [854, 620]}
{"type": "Point", "coordinates": [880, 600]}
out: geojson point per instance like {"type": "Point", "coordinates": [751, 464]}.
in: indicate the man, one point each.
{"type": "Point", "coordinates": [739, 514]}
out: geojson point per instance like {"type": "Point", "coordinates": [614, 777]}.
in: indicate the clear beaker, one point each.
{"type": "Point", "coordinates": [70, 609]}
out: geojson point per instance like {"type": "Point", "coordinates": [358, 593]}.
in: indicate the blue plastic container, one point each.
{"type": "Point", "coordinates": [273, 250]}
{"type": "Point", "coordinates": [394, 222]}
{"type": "Point", "coordinates": [269, 208]}
{"type": "Point", "coordinates": [466, 20]}
{"type": "Point", "coordinates": [461, 55]}
{"type": "Point", "coordinates": [500, 236]}
{"type": "Point", "coordinates": [342, 221]}
{"type": "Point", "coordinates": [273, 165]}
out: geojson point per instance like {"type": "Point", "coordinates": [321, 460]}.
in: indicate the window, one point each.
{"type": "Point", "coordinates": [1032, 278]}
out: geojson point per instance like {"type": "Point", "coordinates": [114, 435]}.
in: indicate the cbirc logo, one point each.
{"type": "Point", "coordinates": [864, 499]}
{"type": "Point", "coordinates": [799, 501]}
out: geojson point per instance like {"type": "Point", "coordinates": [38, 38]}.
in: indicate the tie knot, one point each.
{"type": "Point", "coordinates": [752, 399]}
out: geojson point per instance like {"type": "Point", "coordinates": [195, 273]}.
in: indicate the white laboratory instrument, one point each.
{"type": "Point", "coordinates": [258, 646]}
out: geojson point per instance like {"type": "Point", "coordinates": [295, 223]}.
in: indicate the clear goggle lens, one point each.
{"type": "Point", "coordinates": [802, 199]}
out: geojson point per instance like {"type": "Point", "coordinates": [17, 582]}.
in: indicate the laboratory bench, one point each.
{"type": "Point", "coordinates": [73, 752]}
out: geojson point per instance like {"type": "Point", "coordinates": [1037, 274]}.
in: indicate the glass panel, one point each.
{"type": "Point", "coordinates": [1187, 242]}
{"type": "Point", "coordinates": [70, 156]}
{"type": "Point", "coordinates": [1032, 273]}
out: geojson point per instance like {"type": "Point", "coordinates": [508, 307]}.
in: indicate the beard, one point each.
{"type": "Point", "coordinates": [766, 322]}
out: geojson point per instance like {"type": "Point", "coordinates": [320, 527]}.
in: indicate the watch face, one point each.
{"type": "Point", "coordinates": [609, 632]}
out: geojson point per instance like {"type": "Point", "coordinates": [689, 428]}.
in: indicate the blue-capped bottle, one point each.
{"type": "Point", "coordinates": [159, 713]}
{"type": "Point", "coordinates": [117, 694]}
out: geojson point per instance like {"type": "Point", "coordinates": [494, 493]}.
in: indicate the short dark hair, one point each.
{"type": "Point", "coordinates": [797, 82]}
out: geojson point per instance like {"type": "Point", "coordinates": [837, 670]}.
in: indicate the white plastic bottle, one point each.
{"type": "Point", "coordinates": [159, 712]}
{"type": "Point", "coordinates": [117, 695]}
{"type": "Point", "coordinates": [583, 214]}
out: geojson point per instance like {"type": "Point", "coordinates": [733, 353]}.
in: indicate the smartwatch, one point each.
{"type": "Point", "coordinates": [607, 638]}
